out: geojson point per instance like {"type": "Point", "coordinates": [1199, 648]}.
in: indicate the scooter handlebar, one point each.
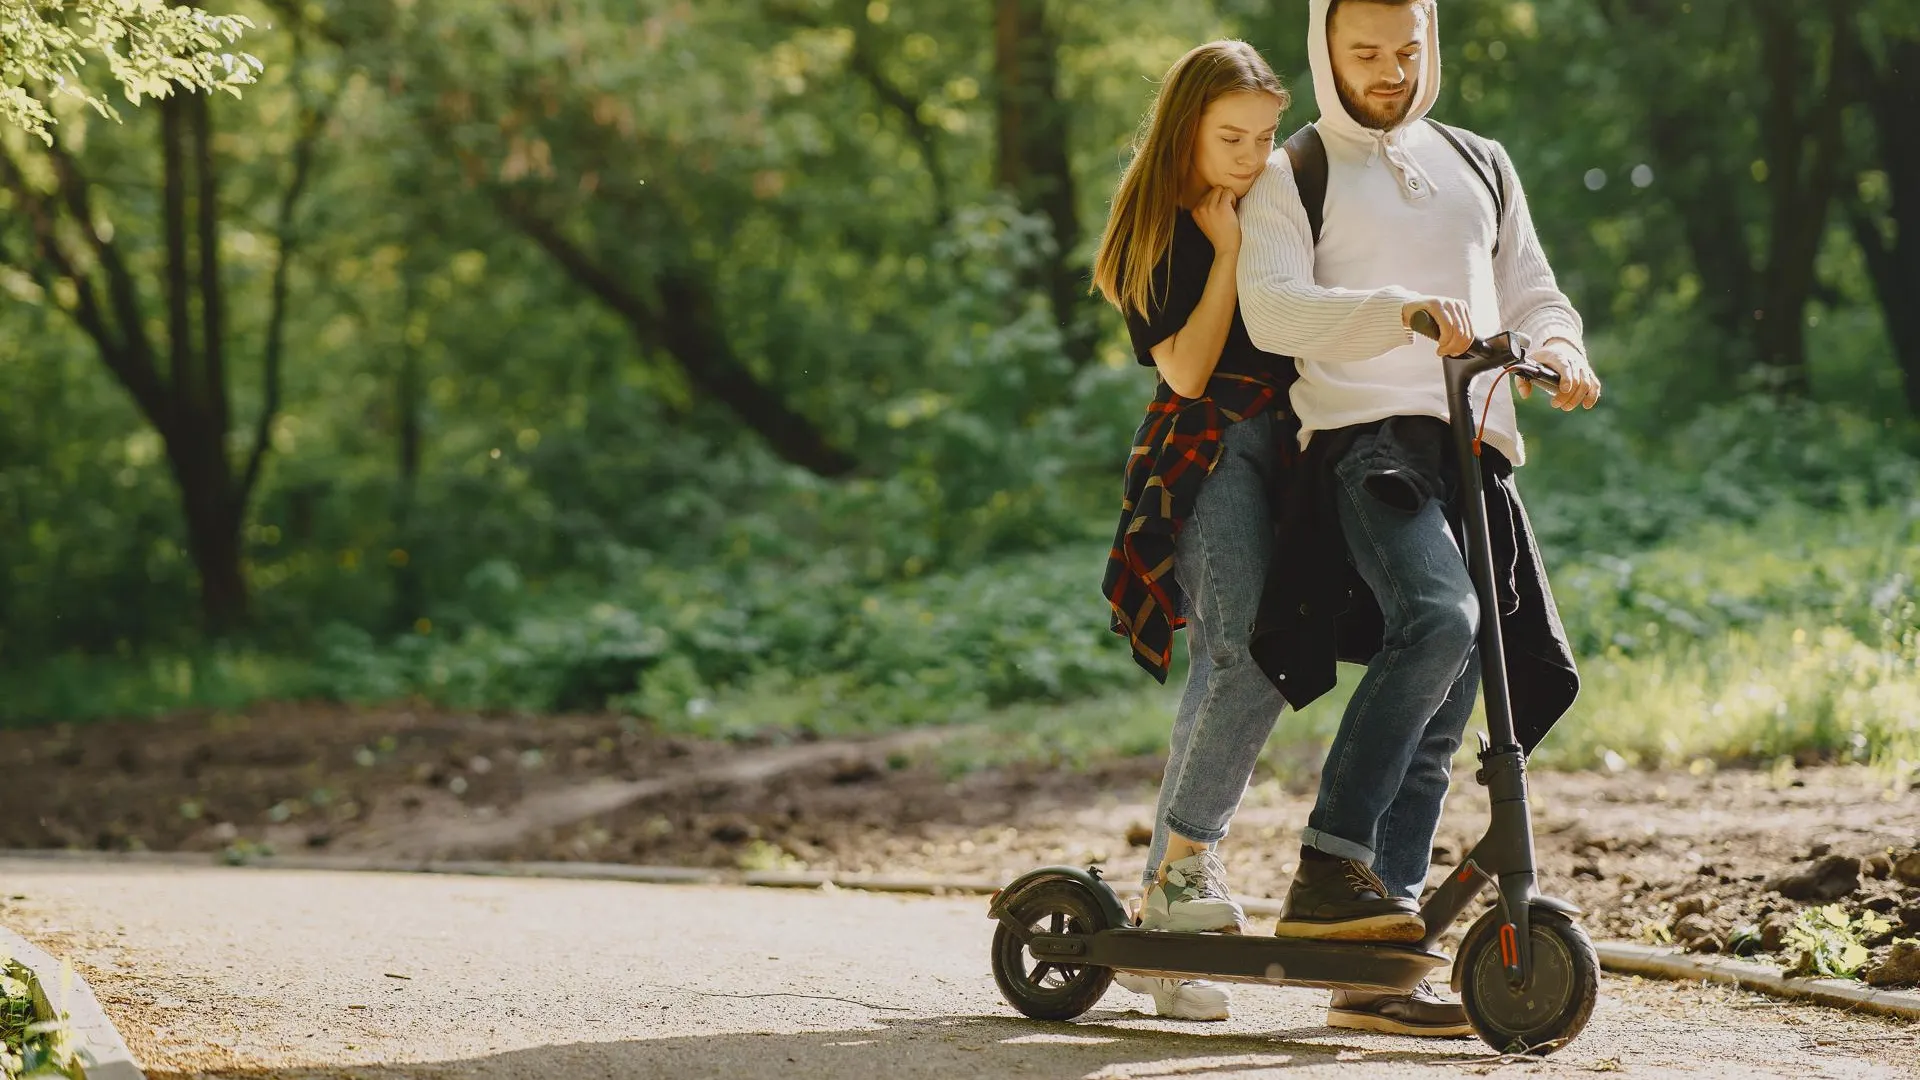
{"type": "Point", "coordinates": [1424, 324]}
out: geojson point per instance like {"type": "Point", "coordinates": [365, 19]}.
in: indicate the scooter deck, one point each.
{"type": "Point", "coordinates": [1338, 965]}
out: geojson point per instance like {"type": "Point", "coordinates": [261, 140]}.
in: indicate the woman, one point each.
{"type": "Point", "coordinates": [1195, 529]}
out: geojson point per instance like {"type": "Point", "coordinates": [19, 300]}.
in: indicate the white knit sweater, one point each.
{"type": "Point", "coordinates": [1405, 215]}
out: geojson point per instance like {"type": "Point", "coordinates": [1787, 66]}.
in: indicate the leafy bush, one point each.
{"type": "Point", "coordinates": [30, 1047]}
{"type": "Point", "coordinates": [1824, 942]}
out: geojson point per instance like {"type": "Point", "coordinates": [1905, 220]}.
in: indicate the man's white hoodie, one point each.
{"type": "Point", "coordinates": [1405, 216]}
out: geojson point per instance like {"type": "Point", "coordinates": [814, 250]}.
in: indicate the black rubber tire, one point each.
{"type": "Point", "coordinates": [1061, 993]}
{"type": "Point", "coordinates": [1559, 999]}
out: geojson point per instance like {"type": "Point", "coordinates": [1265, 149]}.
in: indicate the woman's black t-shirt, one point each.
{"type": "Point", "coordinates": [1190, 258]}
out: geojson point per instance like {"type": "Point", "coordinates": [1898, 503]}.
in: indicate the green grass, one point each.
{"type": "Point", "coordinates": [71, 689]}
{"type": "Point", "coordinates": [1733, 644]}
{"type": "Point", "coordinates": [1740, 697]}
{"type": "Point", "coordinates": [1747, 696]}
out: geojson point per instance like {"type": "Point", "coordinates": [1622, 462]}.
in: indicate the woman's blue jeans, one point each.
{"type": "Point", "coordinates": [1229, 707]}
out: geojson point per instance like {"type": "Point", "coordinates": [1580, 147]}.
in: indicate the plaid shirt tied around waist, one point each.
{"type": "Point", "coordinates": [1174, 450]}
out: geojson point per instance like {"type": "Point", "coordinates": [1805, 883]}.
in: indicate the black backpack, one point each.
{"type": "Point", "coordinates": [1309, 157]}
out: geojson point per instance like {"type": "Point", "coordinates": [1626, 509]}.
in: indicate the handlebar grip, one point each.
{"type": "Point", "coordinates": [1536, 373]}
{"type": "Point", "coordinates": [1423, 324]}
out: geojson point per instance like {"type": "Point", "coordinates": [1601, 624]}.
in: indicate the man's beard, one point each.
{"type": "Point", "coordinates": [1378, 115]}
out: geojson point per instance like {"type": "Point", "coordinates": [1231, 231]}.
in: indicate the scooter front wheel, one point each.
{"type": "Point", "coordinates": [1046, 989]}
{"type": "Point", "coordinates": [1548, 1012]}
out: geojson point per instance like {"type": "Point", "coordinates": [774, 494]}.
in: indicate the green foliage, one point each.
{"type": "Point", "coordinates": [1724, 642]}
{"type": "Point", "coordinates": [1826, 943]}
{"type": "Point", "coordinates": [150, 47]}
{"type": "Point", "coordinates": [79, 687]}
{"type": "Point", "coordinates": [30, 1047]}
{"type": "Point", "coordinates": [723, 654]}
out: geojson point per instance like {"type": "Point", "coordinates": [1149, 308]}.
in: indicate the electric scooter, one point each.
{"type": "Point", "coordinates": [1526, 972]}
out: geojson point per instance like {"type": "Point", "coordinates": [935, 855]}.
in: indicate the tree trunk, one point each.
{"type": "Point", "coordinates": [1802, 146]}
{"type": "Point", "coordinates": [213, 519]}
{"type": "Point", "coordinates": [1896, 293]}
{"type": "Point", "coordinates": [408, 598]}
{"type": "Point", "coordinates": [1032, 158]}
{"type": "Point", "coordinates": [1716, 237]}
{"type": "Point", "coordinates": [196, 437]}
{"type": "Point", "coordinates": [1893, 96]}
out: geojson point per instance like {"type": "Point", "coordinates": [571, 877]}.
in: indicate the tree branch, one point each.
{"type": "Point", "coordinates": [1781, 122]}
{"type": "Point", "coordinates": [206, 178]}
{"type": "Point", "coordinates": [864, 62]}
{"type": "Point", "coordinates": [1873, 243]}
{"type": "Point", "coordinates": [579, 265]}
{"type": "Point", "coordinates": [683, 324]}
{"type": "Point", "coordinates": [312, 123]}
{"type": "Point", "coordinates": [174, 215]}
{"type": "Point", "coordinates": [138, 378]}
{"type": "Point", "coordinates": [74, 190]}
{"type": "Point", "coordinates": [1842, 73]}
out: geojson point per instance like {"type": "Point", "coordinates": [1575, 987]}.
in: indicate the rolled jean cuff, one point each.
{"type": "Point", "coordinates": [1333, 845]}
{"type": "Point", "coordinates": [1198, 836]}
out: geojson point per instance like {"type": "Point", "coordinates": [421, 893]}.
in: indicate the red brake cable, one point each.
{"type": "Point", "coordinates": [1481, 432]}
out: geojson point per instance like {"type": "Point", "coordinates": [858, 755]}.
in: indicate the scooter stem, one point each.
{"type": "Point", "coordinates": [1460, 372]}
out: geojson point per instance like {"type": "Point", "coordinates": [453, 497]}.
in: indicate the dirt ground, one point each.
{"type": "Point", "coordinates": [1693, 858]}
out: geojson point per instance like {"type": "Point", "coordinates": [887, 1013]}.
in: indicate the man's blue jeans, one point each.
{"type": "Point", "coordinates": [1388, 769]}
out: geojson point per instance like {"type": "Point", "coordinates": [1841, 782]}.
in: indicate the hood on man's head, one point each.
{"type": "Point", "coordinates": [1335, 120]}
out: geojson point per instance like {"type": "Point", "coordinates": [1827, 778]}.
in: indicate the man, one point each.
{"type": "Point", "coordinates": [1410, 222]}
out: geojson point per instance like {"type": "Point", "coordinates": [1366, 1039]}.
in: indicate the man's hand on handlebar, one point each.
{"type": "Point", "coordinates": [1456, 325]}
{"type": "Point", "coordinates": [1579, 386]}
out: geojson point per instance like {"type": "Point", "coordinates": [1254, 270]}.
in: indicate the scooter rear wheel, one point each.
{"type": "Point", "coordinates": [1557, 1001]}
{"type": "Point", "coordinates": [1048, 990]}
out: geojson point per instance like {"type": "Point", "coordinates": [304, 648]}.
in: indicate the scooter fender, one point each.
{"type": "Point", "coordinates": [1088, 879]}
{"type": "Point", "coordinates": [1494, 919]}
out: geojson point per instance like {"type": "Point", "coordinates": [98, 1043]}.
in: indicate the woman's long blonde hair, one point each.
{"type": "Point", "coordinates": [1147, 203]}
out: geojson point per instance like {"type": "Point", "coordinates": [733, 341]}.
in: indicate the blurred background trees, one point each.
{"type": "Point", "coordinates": [732, 363]}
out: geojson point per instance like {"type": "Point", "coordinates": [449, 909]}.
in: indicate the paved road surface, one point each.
{"type": "Point", "coordinates": [244, 973]}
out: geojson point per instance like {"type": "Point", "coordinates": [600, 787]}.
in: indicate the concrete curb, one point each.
{"type": "Point", "coordinates": [577, 871]}
{"type": "Point", "coordinates": [104, 1053]}
{"type": "Point", "coordinates": [571, 871]}
{"type": "Point", "coordinates": [1619, 957]}
{"type": "Point", "coordinates": [1627, 959]}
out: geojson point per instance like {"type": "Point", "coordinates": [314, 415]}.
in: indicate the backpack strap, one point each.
{"type": "Point", "coordinates": [1308, 156]}
{"type": "Point", "coordinates": [1480, 157]}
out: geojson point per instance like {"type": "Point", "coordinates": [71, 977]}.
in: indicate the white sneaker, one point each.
{"type": "Point", "coordinates": [1192, 898]}
{"type": "Point", "coordinates": [1180, 999]}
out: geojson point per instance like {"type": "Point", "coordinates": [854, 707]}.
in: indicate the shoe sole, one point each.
{"type": "Point", "coordinates": [1394, 929]}
{"type": "Point", "coordinates": [1142, 984]}
{"type": "Point", "coordinates": [1359, 1021]}
{"type": "Point", "coordinates": [1231, 929]}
